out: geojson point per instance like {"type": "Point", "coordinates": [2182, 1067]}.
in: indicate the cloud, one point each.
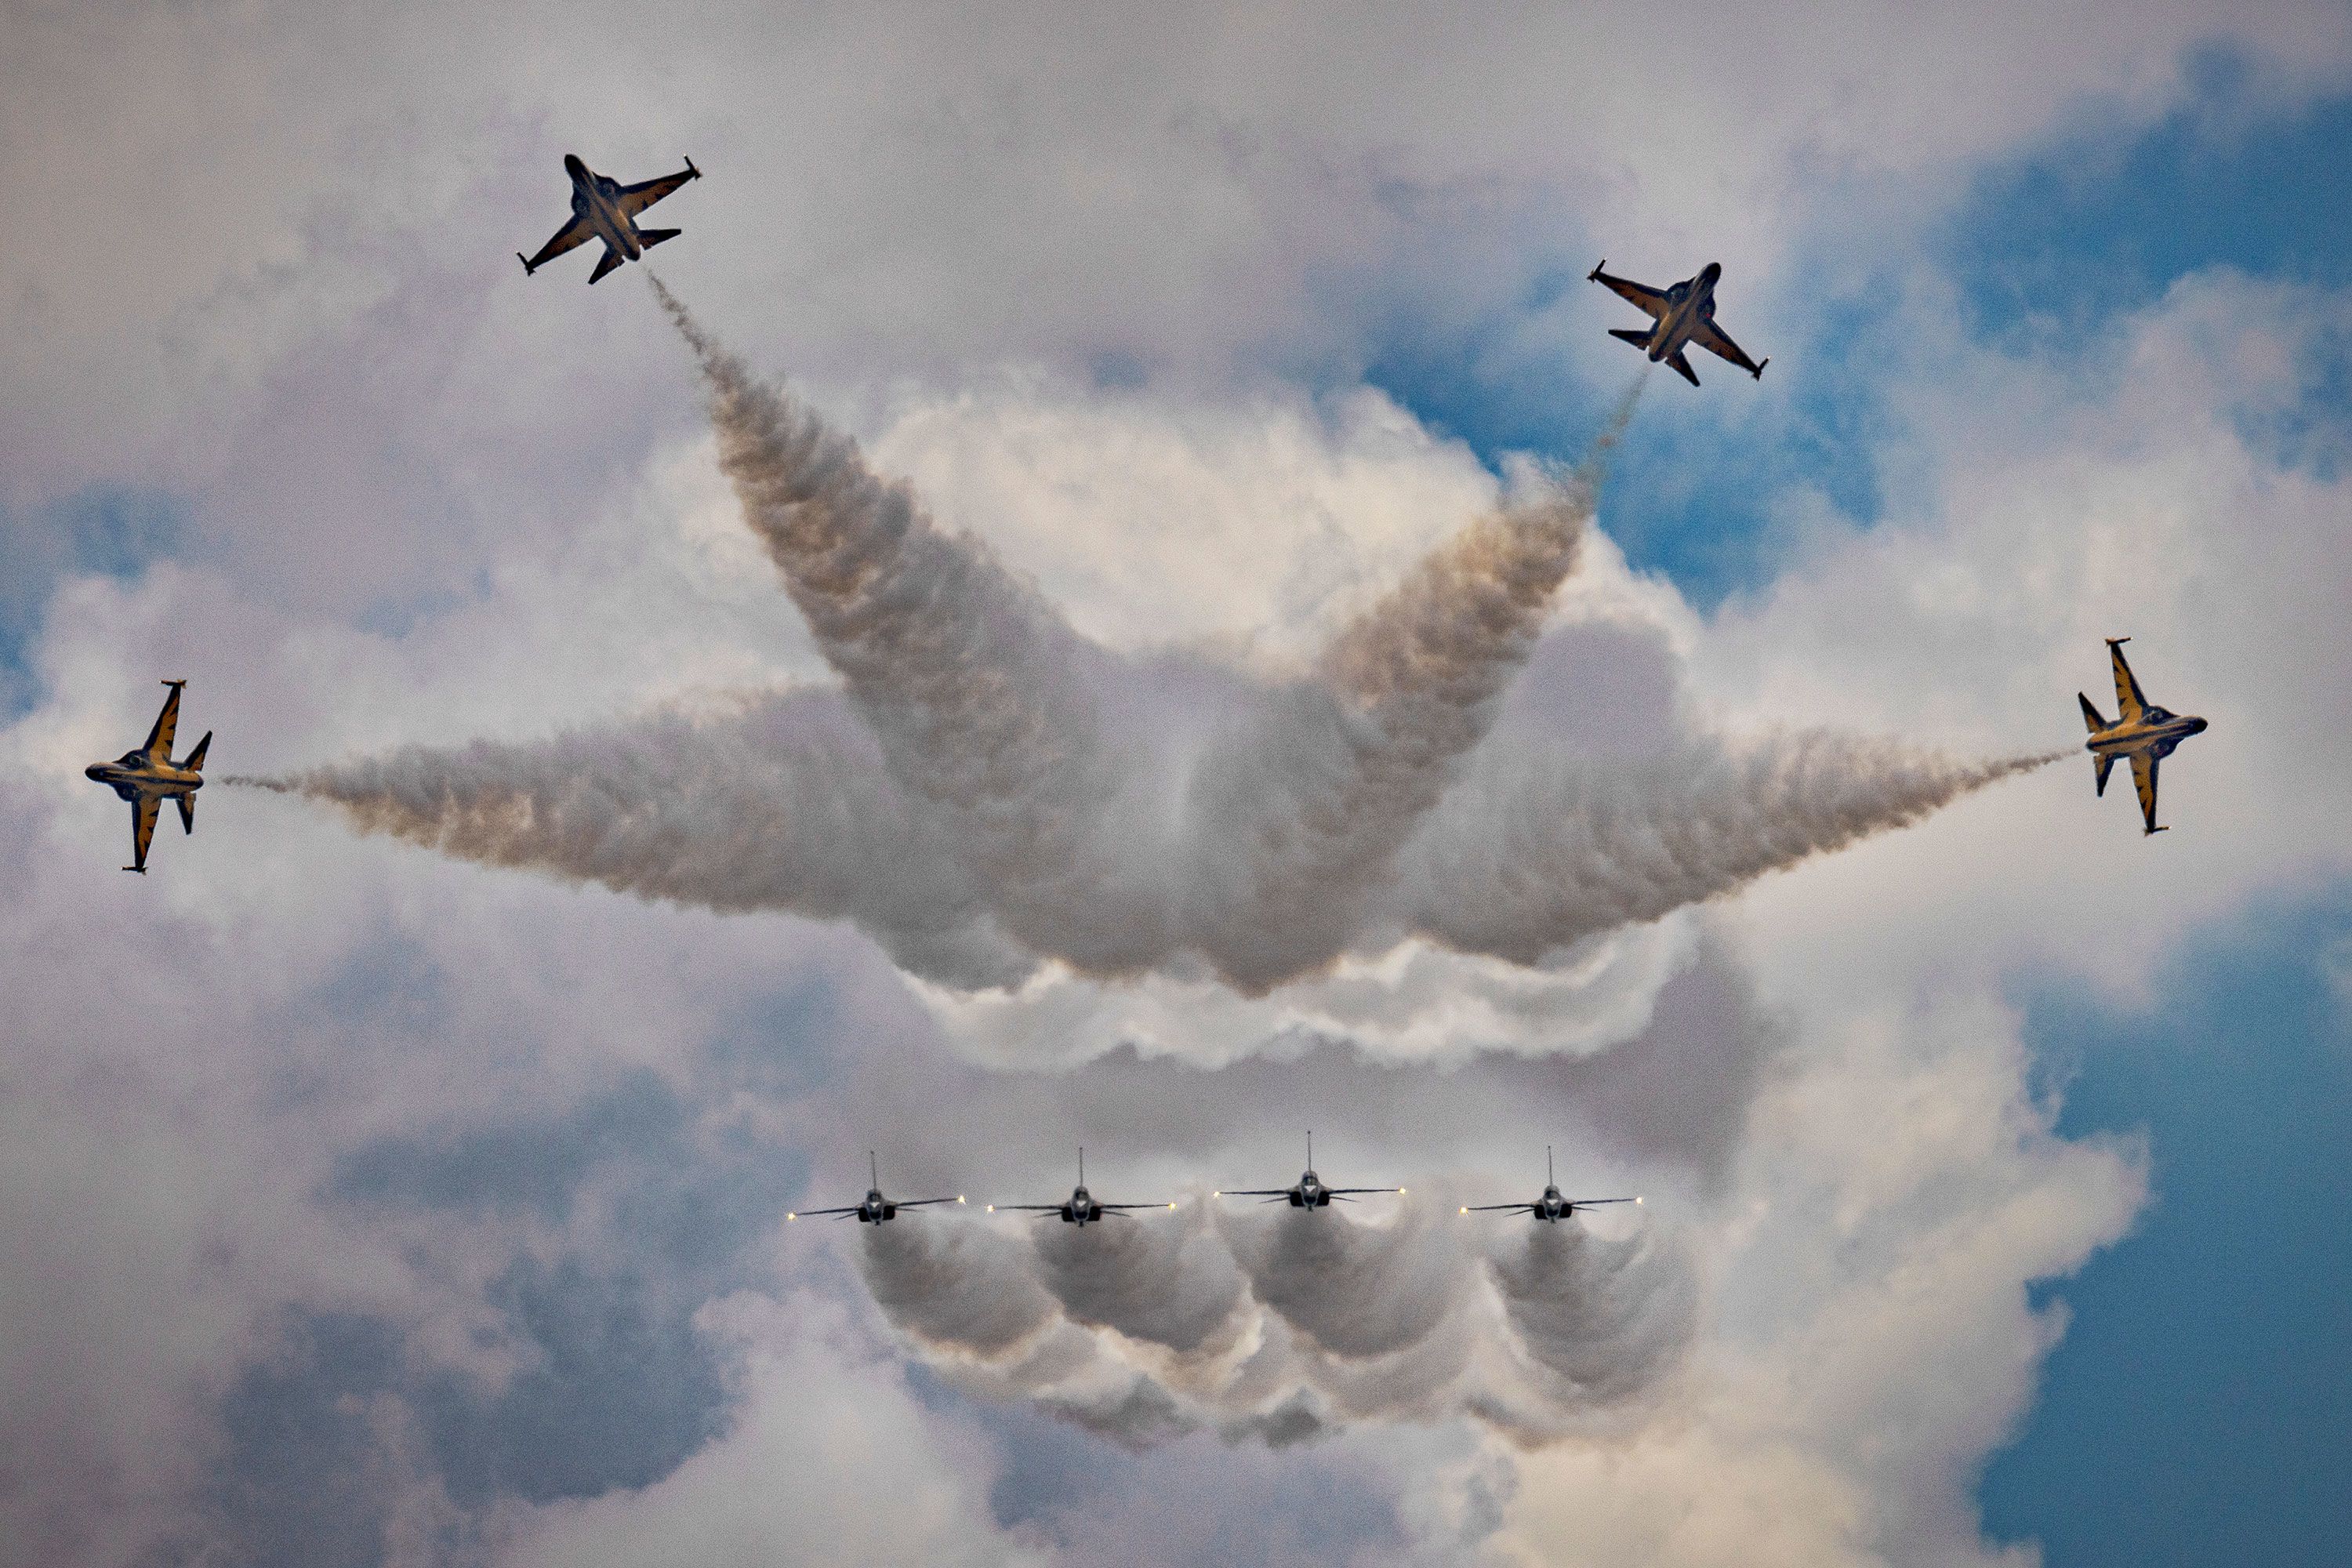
{"type": "Point", "coordinates": [824, 1429]}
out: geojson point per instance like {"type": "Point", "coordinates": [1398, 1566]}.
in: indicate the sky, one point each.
{"type": "Point", "coordinates": [383, 1194]}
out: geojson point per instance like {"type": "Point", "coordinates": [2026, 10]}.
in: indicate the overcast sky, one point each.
{"type": "Point", "coordinates": [368, 1205]}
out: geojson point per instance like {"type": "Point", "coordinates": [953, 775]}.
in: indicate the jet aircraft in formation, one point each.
{"type": "Point", "coordinates": [148, 776]}
{"type": "Point", "coordinates": [1552, 1208]}
{"type": "Point", "coordinates": [1683, 315]}
{"type": "Point", "coordinates": [1309, 1192]}
{"type": "Point", "coordinates": [873, 1208]}
{"type": "Point", "coordinates": [1081, 1207]}
{"type": "Point", "coordinates": [2142, 731]}
{"type": "Point", "coordinates": [602, 208]}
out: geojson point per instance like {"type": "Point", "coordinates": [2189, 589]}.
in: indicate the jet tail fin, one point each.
{"type": "Point", "coordinates": [196, 759]}
{"type": "Point", "coordinates": [2100, 764]}
{"type": "Point", "coordinates": [649, 238]}
{"type": "Point", "coordinates": [2091, 720]}
{"type": "Point", "coordinates": [187, 813]}
{"type": "Point", "coordinates": [1638, 336]}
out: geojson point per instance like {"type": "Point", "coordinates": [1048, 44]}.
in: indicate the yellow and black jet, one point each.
{"type": "Point", "coordinates": [1684, 316]}
{"type": "Point", "coordinates": [148, 776]}
{"type": "Point", "coordinates": [2144, 732]}
{"type": "Point", "coordinates": [602, 208]}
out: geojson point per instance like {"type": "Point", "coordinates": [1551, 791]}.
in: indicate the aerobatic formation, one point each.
{"type": "Point", "coordinates": [984, 792]}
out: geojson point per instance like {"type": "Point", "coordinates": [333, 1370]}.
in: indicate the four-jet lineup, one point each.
{"type": "Point", "coordinates": [602, 208]}
{"type": "Point", "coordinates": [1683, 315]}
{"type": "Point", "coordinates": [2142, 731]}
{"type": "Point", "coordinates": [873, 1208]}
{"type": "Point", "coordinates": [148, 776]}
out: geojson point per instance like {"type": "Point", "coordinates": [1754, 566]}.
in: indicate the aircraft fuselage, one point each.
{"type": "Point", "coordinates": [2157, 731]}
{"type": "Point", "coordinates": [1081, 1209]}
{"type": "Point", "coordinates": [134, 774]}
{"type": "Point", "coordinates": [597, 198]}
{"type": "Point", "coordinates": [875, 1209]}
{"type": "Point", "coordinates": [1689, 304]}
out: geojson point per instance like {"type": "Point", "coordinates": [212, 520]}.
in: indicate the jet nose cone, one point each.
{"type": "Point", "coordinates": [2197, 726]}
{"type": "Point", "coordinates": [572, 165]}
{"type": "Point", "coordinates": [91, 772]}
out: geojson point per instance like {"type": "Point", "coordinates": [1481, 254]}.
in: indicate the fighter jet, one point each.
{"type": "Point", "coordinates": [602, 208]}
{"type": "Point", "coordinates": [2144, 732]}
{"type": "Point", "coordinates": [148, 776]}
{"type": "Point", "coordinates": [1685, 315]}
{"type": "Point", "coordinates": [874, 1208]}
{"type": "Point", "coordinates": [1552, 1208]}
{"type": "Point", "coordinates": [1080, 1208]}
{"type": "Point", "coordinates": [1311, 1193]}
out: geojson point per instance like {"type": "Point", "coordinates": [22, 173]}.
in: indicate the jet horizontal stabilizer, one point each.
{"type": "Point", "coordinates": [649, 238]}
{"type": "Point", "coordinates": [1638, 336]}
{"type": "Point", "coordinates": [187, 813]}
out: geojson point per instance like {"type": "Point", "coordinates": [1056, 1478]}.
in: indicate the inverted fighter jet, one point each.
{"type": "Point", "coordinates": [1552, 1208]}
{"type": "Point", "coordinates": [1311, 1193]}
{"type": "Point", "coordinates": [1080, 1208]}
{"type": "Point", "coordinates": [1684, 314]}
{"type": "Point", "coordinates": [874, 1208]}
{"type": "Point", "coordinates": [149, 776]}
{"type": "Point", "coordinates": [2144, 732]}
{"type": "Point", "coordinates": [602, 208]}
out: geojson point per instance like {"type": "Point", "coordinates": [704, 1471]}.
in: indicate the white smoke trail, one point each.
{"type": "Point", "coordinates": [1329, 784]}
{"type": "Point", "coordinates": [1273, 1325]}
{"type": "Point", "coordinates": [982, 698]}
{"type": "Point", "coordinates": [783, 804]}
{"type": "Point", "coordinates": [1529, 856]}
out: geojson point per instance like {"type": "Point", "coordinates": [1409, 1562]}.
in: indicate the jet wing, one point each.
{"type": "Point", "coordinates": [1496, 1208]}
{"type": "Point", "coordinates": [572, 236]}
{"type": "Point", "coordinates": [918, 1203]}
{"type": "Point", "coordinates": [1255, 1191]}
{"type": "Point", "coordinates": [2144, 780]}
{"type": "Point", "coordinates": [1717, 342]}
{"type": "Point", "coordinates": [144, 813]}
{"type": "Point", "coordinates": [1135, 1206]}
{"type": "Point", "coordinates": [1338, 1191]}
{"type": "Point", "coordinates": [167, 724]}
{"type": "Point", "coordinates": [818, 1213]}
{"type": "Point", "coordinates": [635, 199]}
{"type": "Point", "coordinates": [1650, 300]}
{"type": "Point", "coordinates": [612, 259]}
{"type": "Point", "coordinates": [2127, 692]}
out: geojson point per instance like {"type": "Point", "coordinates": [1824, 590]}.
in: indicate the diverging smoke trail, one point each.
{"type": "Point", "coordinates": [984, 699]}
{"type": "Point", "coordinates": [1530, 855]}
{"type": "Point", "coordinates": [1319, 795]}
{"type": "Point", "coordinates": [1276, 1324]}
{"type": "Point", "coordinates": [783, 804]}
{"type": "Point", "coordinates": [990, 790]}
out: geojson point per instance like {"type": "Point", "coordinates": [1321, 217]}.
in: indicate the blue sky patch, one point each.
{"type": "Point", "coordinates": [2201, 1405]}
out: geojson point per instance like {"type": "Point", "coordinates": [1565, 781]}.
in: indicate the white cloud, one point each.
{"type": "Point", "coordinates": [829, 1458]}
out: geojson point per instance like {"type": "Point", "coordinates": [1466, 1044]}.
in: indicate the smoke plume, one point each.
{"type": "Point", "coordinates": [988, 789]}
{"type": "Point", "coordinates": [1273, 1323]}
